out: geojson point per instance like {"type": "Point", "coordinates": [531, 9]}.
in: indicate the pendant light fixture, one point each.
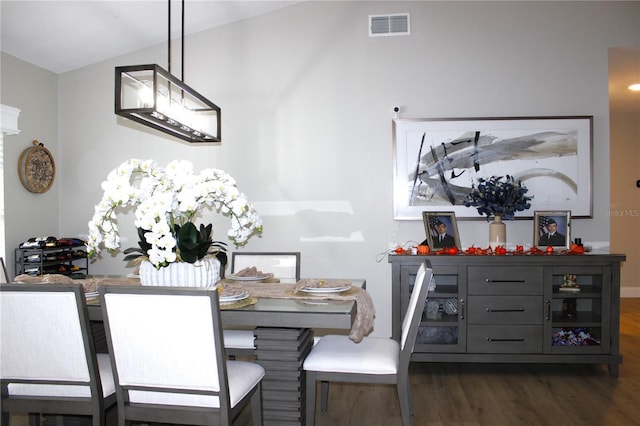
{"type": "Point", "coordinates": [154, 97]}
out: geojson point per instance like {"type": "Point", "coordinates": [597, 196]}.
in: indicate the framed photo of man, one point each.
{"type": "Point", "coordinates": [552, 228]}
{"type": "Point", "coordinates": [441, 229]}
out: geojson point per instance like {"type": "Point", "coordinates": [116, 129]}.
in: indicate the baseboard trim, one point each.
{"type": "Point", "coordinates": [629, 292]}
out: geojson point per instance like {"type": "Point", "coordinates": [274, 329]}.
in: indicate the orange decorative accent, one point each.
{"type": "Point", "coordinates": [498, 251]}
{"type": "Point", "coordinates": [422, 249]}
{"type": "Point", "coordinates": [576, 249]}
{"type": "Point", "coordinates": [501, 250]}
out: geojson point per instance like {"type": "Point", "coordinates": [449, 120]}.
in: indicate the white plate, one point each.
{"type": "Point", "coordinates": [254, 278]}
{"type": "Point", "coordinates": [234, 297]}
{"type": "Point", "coordinates": [322, 290]}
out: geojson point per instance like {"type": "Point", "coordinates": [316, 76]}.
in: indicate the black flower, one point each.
{"type": "Point", "coordinates": [498, 195]}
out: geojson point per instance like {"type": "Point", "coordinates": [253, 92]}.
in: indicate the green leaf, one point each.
{"type": "Point", "coordinates": [140, 251]}
{"type": "Point", "coordinates": [193, 244]}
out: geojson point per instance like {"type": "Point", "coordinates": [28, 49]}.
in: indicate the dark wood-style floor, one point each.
{"type": "Point", "coordinates": [496, 394]}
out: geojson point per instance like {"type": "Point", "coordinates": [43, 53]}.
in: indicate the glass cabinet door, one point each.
{"type": "Point", "coordinates": [579, 312]}
{"type": "Point", "coordinates": [442, 328]}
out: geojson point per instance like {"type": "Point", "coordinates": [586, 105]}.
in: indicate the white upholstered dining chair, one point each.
{"type": "Point", "coordinates": [4, 278]}
{"type": "Point", "coordinates": [373, 360]}
{"type": "Point", "coordinates": [283, 265]}
{"type": "Point", "coordinates": [48, 362]}
{"type": "Point", "coordinates": [169, 360]}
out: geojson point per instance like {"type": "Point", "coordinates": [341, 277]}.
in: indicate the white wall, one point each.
{"type": "Point", "coordinates": [307, 102]}
{"type": "Point", "coordinates": [625, 197]}
{"type": "Point", "coordinates": [33, 91]}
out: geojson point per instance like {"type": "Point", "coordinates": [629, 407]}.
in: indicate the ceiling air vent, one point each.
{"type": "Point", "coordinates": [389, 25]}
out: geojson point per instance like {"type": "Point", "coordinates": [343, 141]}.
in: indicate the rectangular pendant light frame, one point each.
{"type": "Point", "coordinates": [153, 97]}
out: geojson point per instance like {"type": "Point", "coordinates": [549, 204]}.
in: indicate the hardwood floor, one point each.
{"type": "Point", "coordinates": [504, 394]}
{"type": "Point", "coordinates": [497, 394]}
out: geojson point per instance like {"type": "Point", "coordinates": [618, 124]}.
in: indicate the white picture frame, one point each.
{"type": "Point", "coordinates": [436, 162]}
{"type": "Point", "coordinates": [560, 220]}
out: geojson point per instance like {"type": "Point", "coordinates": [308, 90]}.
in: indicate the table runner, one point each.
{"type": "Point", "coordinates": [365, 310]}
{"type": "Point", "coordinates": [89, 284]}
{"type": "Point", "coordinates": [269, 288]}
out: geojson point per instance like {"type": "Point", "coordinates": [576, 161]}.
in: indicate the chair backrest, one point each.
{"type": "Point", "coordinates": [5, 275]}
{"type": "Point", "coordinates": [46, 345]}
{"type": "Point", "coordinates": [413, 315]}
{"type": "Point", "coordinates": [283, 265]}
{"type": "Point", "coordinates": [166, 345]}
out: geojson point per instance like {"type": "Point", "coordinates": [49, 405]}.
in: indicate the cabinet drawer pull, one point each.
{"type": "Point", "coordinates": [505, 310]}
{"type": "Point", "coordinates": [489, 281]}
{"type": "Point", "coordinates": [548, 317]}
{"type": "Point", "coordinates": [491, 339]}
{"type": "Point", "coordinates": [461, 309]}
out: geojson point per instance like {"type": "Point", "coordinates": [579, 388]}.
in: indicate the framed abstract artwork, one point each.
{"type": "Point", "coordinates": [437, 162]}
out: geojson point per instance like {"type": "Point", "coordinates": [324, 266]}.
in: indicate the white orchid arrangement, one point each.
{"type": "Point", "coordinates": [167, 201]}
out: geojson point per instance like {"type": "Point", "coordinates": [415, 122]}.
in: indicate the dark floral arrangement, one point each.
{"type": "Point", "coordinates": [498, 195]}
{"type": "Point", "coordinates": [192, 244]}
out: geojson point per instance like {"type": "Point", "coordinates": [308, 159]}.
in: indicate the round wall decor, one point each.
{"type": "Point", "coordinates": [37, 168]}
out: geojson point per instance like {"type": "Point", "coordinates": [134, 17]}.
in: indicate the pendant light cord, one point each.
{"type": "Point", "coordinates": [181, 40]}
{"type": "Point", "coordinates": [169, 35]}
{"type": "Point", "coordinates": [182, 46]}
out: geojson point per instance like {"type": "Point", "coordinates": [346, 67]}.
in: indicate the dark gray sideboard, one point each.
{"type": "Point", "coordinates": [510, 309]}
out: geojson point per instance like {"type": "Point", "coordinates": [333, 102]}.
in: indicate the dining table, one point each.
{"type": "Point", "coordinates": [283, 320]}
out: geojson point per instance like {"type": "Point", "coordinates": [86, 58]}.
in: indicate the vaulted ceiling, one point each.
{"type": "Point", "coordinates": [62, 36]}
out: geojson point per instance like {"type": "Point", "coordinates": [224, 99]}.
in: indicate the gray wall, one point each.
{"type": "Point", "coordinates": [307, 102]}
{"type": "Point", "coordinates": [35, 92]}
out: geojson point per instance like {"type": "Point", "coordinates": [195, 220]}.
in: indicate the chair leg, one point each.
{"type": "Point", "coordinates": [324, 398]}
{"type": "Point", "coordinates": [99, 416]}
{"type": "Point", "coordinates": [99, 420]}
{"type": "Point", "coordinates": [410, 397]}
{"type": "Point", "coordinates": [256, 406]}
{"type": "Point", "coordinates": [311, 398]}
{"type": "Point", "coordinates": [34, 419]}
{"type": "Point", "coordinates": [122, 421]}
{"type": "Point", "coordinates": [403, 399]}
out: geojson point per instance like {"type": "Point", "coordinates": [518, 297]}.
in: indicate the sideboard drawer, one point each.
{"type": "Point", "coordinates": [505, 310]}
{"type": "Point", "coordinates": [505, 280]}
{"type": "Point", "coordinates": [504, 339]}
